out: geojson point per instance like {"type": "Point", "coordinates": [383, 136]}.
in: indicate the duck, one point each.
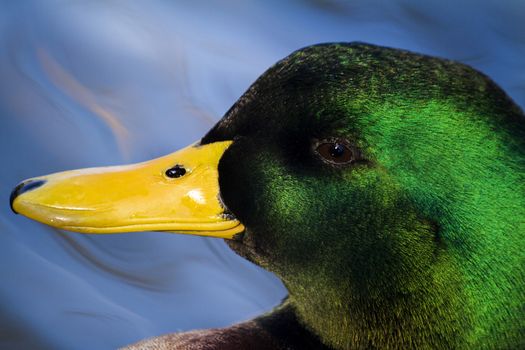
{"type": "Point", "coordinates": [385, 188]}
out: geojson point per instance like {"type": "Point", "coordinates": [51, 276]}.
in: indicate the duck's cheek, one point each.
{"type": "Point", "coordinates": [237, 183]}
{"type": "Point", "coordinates": [247, 247]}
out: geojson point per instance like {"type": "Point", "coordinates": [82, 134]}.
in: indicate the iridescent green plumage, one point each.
{"type": "Point", "coordinates": [418, 245]}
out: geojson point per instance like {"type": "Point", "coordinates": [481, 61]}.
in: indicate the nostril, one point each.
{"type": "Point", "coordinates": [24, 187]}
{"type": "Point", "coordinates": [177, 171]}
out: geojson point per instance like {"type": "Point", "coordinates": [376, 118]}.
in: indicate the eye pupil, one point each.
{"type": "Point", "coordinates": [337, 150]}
{"type": "Point", "coordinates": [176, 171]}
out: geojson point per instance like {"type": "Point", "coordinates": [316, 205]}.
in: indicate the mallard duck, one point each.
{"type": "Point", "coordinates": [385, 188]}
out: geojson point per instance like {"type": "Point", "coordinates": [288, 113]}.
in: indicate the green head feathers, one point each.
{"type": "Point", "coordinates": [418, 240]}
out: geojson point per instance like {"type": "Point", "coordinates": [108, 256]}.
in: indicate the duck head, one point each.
{"type": "Point", "coordinates": [385, 188]}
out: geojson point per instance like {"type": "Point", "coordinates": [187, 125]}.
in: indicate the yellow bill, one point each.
{"type": "Point", "coordinates": [177, 193]}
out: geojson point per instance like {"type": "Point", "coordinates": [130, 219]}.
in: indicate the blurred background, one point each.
{"type": "Point", "coordinates": [94, 83]}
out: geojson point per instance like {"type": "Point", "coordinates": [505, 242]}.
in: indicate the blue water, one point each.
{"type": "Point", "coordinates": [93, 83]}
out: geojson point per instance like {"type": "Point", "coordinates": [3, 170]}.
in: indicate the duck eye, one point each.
{"type": "Point", "coordinates": [335, 152]}
{"type": "Point", "coordinates": [176, 171]}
